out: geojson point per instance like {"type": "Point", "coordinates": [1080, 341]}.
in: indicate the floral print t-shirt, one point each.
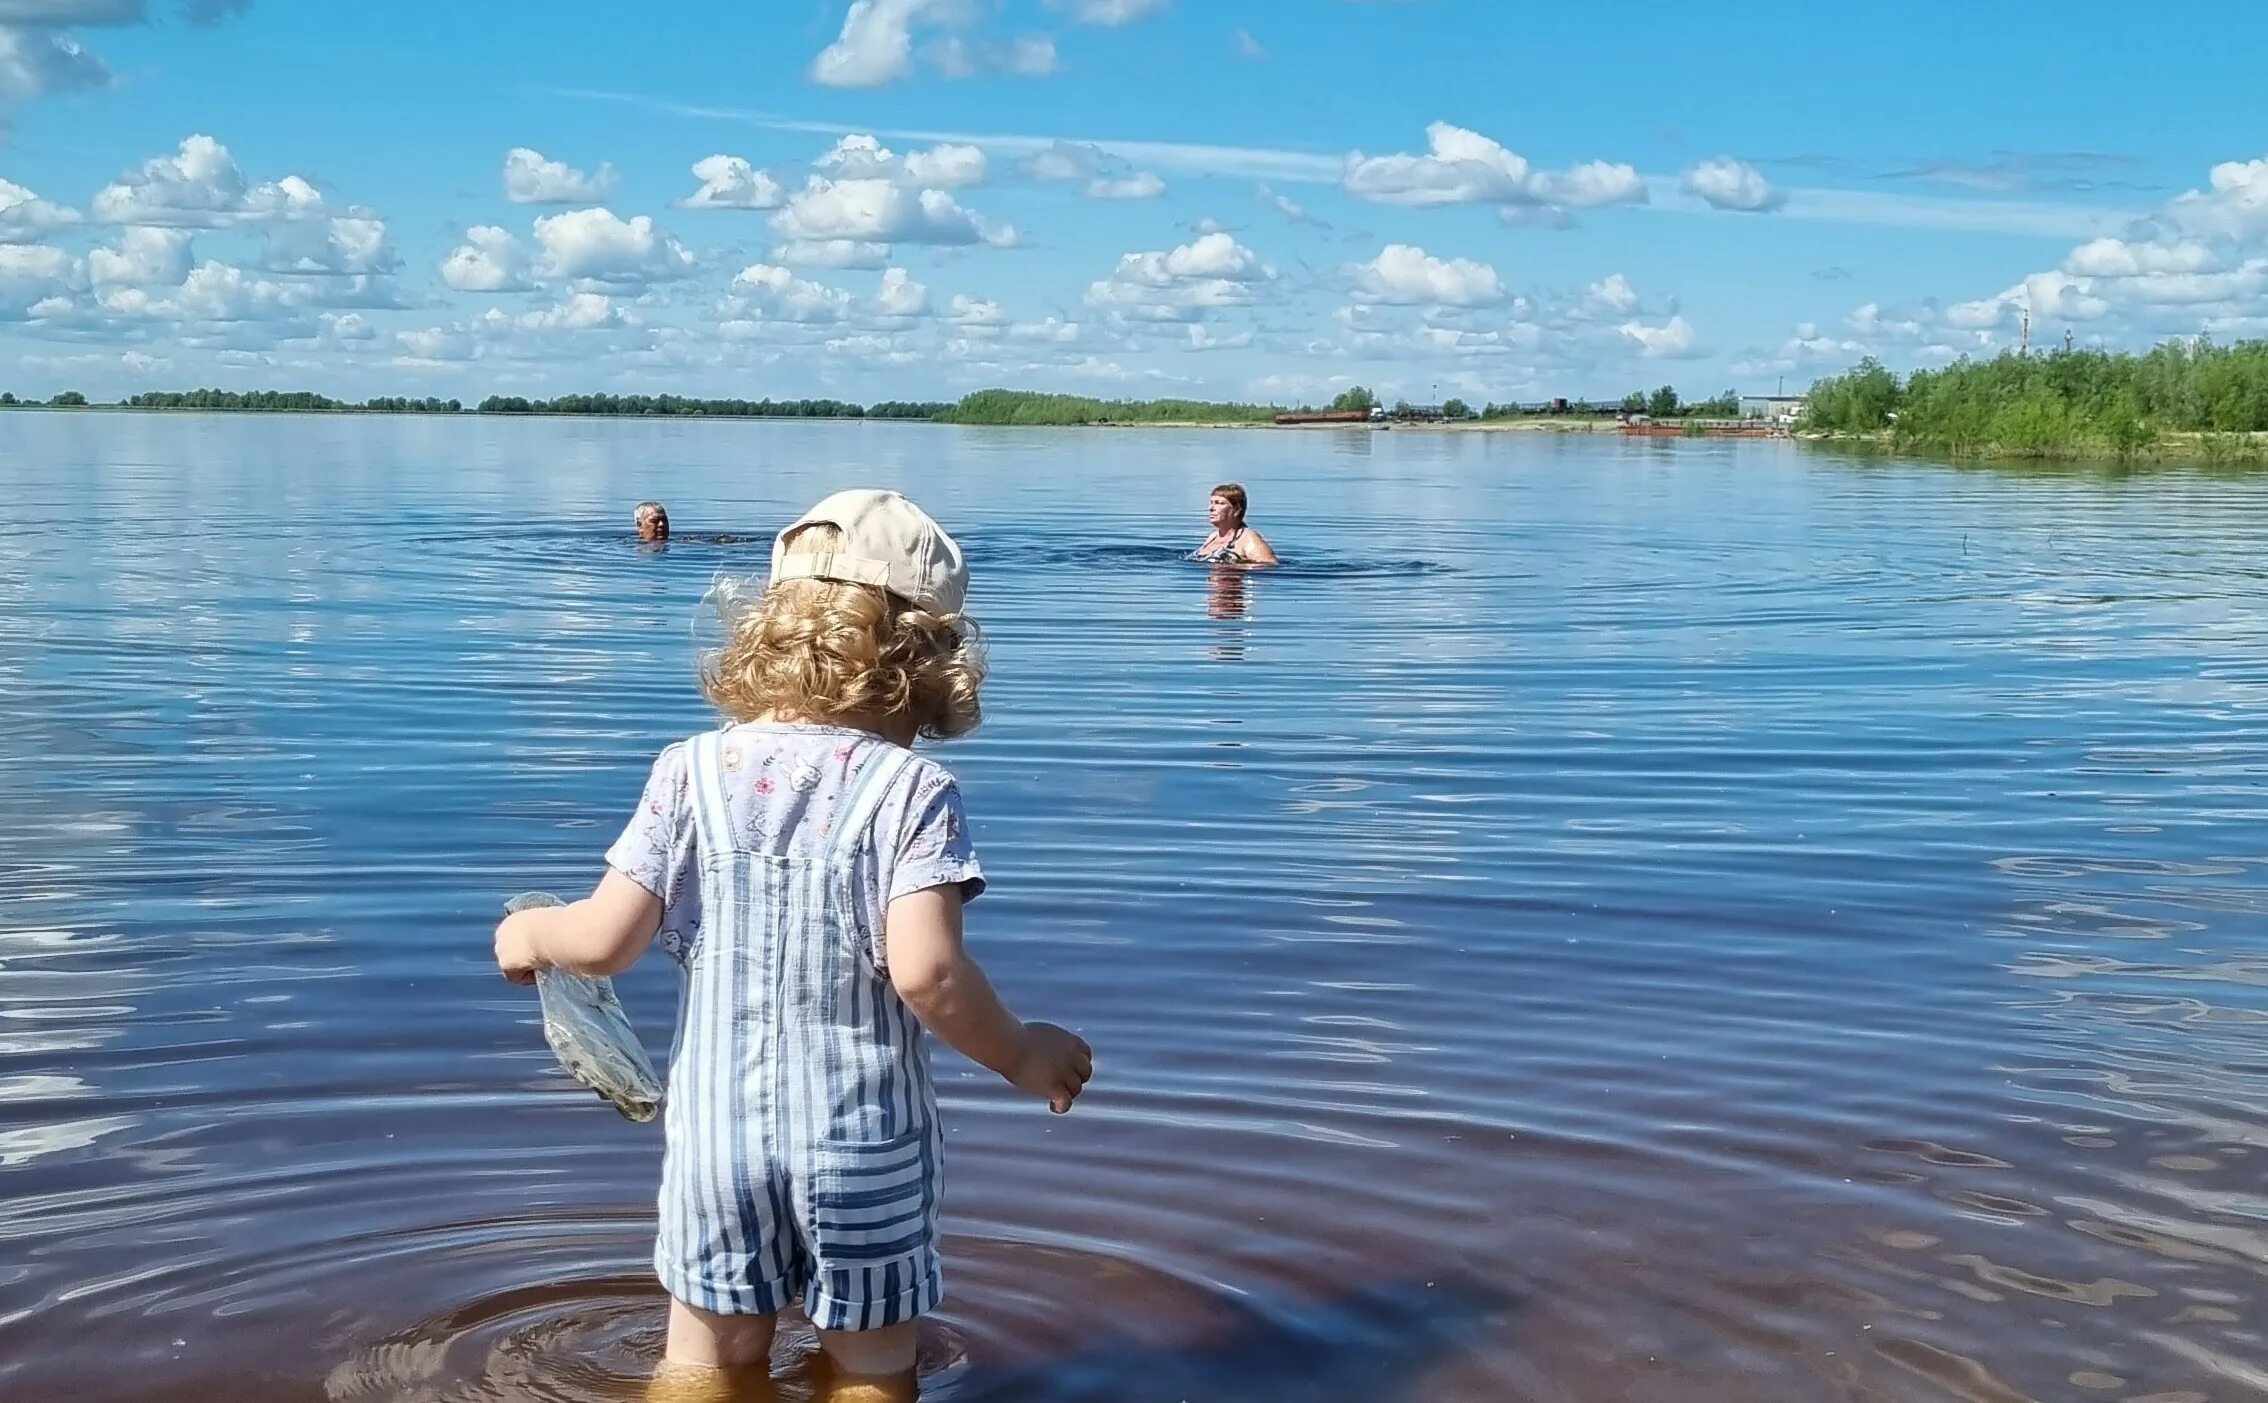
{"type": "Point", "coordinates": [784, 785]}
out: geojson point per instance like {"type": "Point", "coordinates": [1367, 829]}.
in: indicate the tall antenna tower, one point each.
{"type": "Point", "coordinates": [2024, 348]}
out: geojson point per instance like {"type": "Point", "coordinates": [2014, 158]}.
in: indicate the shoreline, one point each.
{"type": "Point", "coordinates": [1542, 425]}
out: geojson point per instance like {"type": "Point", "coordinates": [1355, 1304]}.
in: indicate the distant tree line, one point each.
{"type": "Point", "coordinates": [289, 401]}
{"type": "Point", "coordinates": [681, 406]}
{"type": "Point", "coordinates": [1028, 407]}
{"type": "Point", "coordinates": [2063, 403]}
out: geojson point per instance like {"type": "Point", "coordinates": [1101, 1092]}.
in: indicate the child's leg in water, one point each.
{"type": "Point", "coordinates": [702, 1339]}
{"type": "Point", "coordinates": [869, 1366]}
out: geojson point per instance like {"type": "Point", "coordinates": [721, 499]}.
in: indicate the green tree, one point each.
{"type": "Point", "coordinates": [71, 399]}
{"type": "Point", "coordinates": [1724, 406]}
{"type": "Point", "coordinates": [1634, 402]}
{"type": "Point", "coordinates": [8, 397]}
{"type": "Point", "coordinates": [1662, 403]}
{"type": "Point", "coordinates": [1457, 409]}
{"type": "Point", "coordinates": [1357, 398]}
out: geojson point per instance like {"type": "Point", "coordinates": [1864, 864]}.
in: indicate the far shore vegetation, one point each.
{"type": "Point", "coordinates": [991, 407]}
{"type": "Point", "coordinates": [2189, 397]}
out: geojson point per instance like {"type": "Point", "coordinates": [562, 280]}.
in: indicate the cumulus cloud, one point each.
{"type": "Point", "coordinates": [1673, 340]}
{"type": "Point", "coordinates": [769, 292]}
{"type": "Point", "coordinates": [31, 274]}
{"type": "Point", "coordinates": [1284, 205]}
{"type": "Point", "coordinates": [597, 245]}
{"type": "Point", "coordinates": [143, 258]}
{"type": "Point", "coordinates": [1465, 167]}
{"type": "Point", "coordinates": [1142, 185]}
{"type": "Point", "coordinates": [530, 179]}
{"type": "Point", "coordinates": [581, 311]}
{"type": "Point", "coordinates": [1405, 275]}
{"type": "Point", "coordinates": [34, 64]}
{"type": "Point", "coordinates": [25, 217]}
{"type": "Point", "coordinates": [201, 186]}
{"type": "Point", "coordinates": [1186, 284]}
{"type": "Point", "coordinates": [2234, 204]}
{"type": "Point", "coordinates": [884, 212]}
{"type": "Point", "coordinates": [971, 313]}
{"type": "Point", "coordinates": [343, 245]}
{"type": "Point", "coordinates": [876, 45]}
{"type": "Point", "coordinates": [489, 260]}
{"type": "Point", "coordinates": [2117, 258]}
{"type": "Point", "coordinates": [730, 182]}
{"type": "Point", "coordinates": [949, 166]}
{"type": "Point", "coordinates": [1726, 182]}
{"type": "Point", "coordinates": [1612, 294]}
{"type": "Point", "coordinates": [900, 296]}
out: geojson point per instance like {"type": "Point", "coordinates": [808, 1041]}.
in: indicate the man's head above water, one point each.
{"type": "Point", "coordinates": [652, 521]}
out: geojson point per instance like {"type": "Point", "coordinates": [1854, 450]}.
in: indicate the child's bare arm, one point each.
{"type": "Point", "coordinates": [947, 990]}
{"type": "Point", "coordinates": [604, 933]}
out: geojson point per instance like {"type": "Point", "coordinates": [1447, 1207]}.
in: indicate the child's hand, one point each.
{"type": "Point", "coordinates": [1055, 1064]}
{"type": "Point", "coordinates": [515, 947]}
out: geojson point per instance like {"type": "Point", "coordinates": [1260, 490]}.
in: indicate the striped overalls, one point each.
{"type": "Point", "coordinates": [803, 1143]}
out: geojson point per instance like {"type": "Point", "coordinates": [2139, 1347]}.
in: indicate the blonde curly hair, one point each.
{"type": "Point", "coordinates": [818, 650]}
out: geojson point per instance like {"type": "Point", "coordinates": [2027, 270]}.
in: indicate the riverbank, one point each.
{"type": "Point", "coordinates": [2182, 446]}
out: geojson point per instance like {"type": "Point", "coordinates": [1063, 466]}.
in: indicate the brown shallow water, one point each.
{"type": "Point", "coordinates": [1611, 922]}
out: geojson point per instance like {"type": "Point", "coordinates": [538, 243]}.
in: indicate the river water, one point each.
{"type": "Point", "coordinates": [1609, 921]}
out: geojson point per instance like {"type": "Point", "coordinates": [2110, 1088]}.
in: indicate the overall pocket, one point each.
{"type": "Point", "coordinates": [873, 1202]}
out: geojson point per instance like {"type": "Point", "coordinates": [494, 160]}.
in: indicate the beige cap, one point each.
{"type": "Point", "coordinates": [887, 542]}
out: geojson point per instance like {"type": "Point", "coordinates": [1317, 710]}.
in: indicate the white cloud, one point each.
{"type": "Point", "coordinates": [349, 328]}
{"type": "Point", "coordinates": [436, 344]}
{"type": "Point", "coordinates": [971, 313]}
{"type": "Point", "coordinates": [33, 64]}
{"type": "Point", "coordinates": [1464, 167]}
{"type": "Point", "coordinates": [2117, 258]}
{"type": "Point", "coordinates": [1108, 12]}
{"type": "Point", "coordinates": [1612, 293]}
{"type": "Point", "coordinates": [24, 216]}
{"type": "Point", "coordinates": [1026, 57]}
{"type": "Point", "coordinates": [1596, 183]}
{"type": "Point", "coordinates": [1186, 284]}
{"type": "Point", "coordinates": [340, 245]}
{"type": "Point", "coordinates": [1066, 160]}
{"type": "Point", "coordinates": [201, 186]}
{"type": "Point", "coordinates": [772, 293]}
{"type": "Point", "coordinates": [1727, 182]}
{"type": "Point", "coordinates": [1284, 205]}
{"type": "Point", "coordinates": [885, 212]}
{"type": "Point", "coordinates": [1141, 185]}
{"type": "Point", "coordinates": [2234, 206]}
{"type": "Point", "coordinates": [529, 179]}
{"type": "Point", "coordinates": [831, 253]}
{"type": "Point", "coordinates": [581, 311]}
{"type": "Point", "coordinates": [900, 296]}
{"type": "Point", "coordinates": [947, 166]}
{"type": "Point", "coordinates": [31, 274]}
{"type": "Point", "coordinates": [1673, 340]}
{"type": "Point", "coordinates": [1246, 46]}
{"type": "Point", "coordinates": [730, 182]}
{"type": "Point", "coordinates": [489, 260]}
{"type": "Point", "coordinates": [1405, 275]}
{"type": "Point", "coordinates": [1052, 332]}
{"type": "Point", "coordinates": [143, 258]}
{"type": "Point", "coordinates": [876, 45]}
{"type": "Point", "coordinates": [597, 245]}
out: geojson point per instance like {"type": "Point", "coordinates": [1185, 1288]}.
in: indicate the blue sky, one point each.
{"type": "Point", "coordinates": [1224, 198]}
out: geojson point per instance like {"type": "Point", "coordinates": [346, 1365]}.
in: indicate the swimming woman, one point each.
{"type": "Point", "coordinates": [1232, 542]}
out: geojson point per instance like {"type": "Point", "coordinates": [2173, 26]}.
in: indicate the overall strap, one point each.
{"type": "Point", "coordinates": [873, 780]}
{"type": "Point", "coordinates": [704, 768]}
